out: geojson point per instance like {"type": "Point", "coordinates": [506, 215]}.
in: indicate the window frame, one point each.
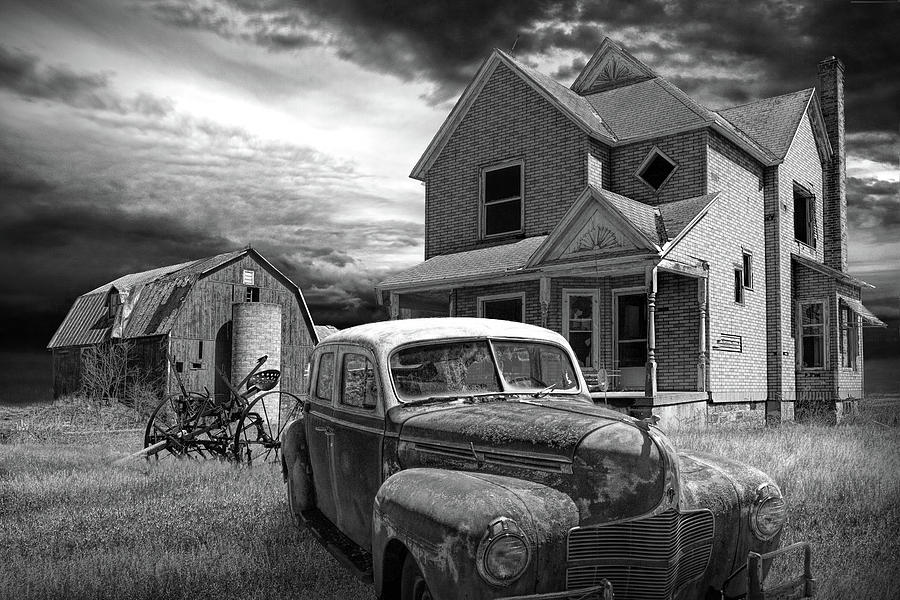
{"type": "Point", "coordinates": [594, 294]}
{"type": "Point", "coordinates": [809, 208]}
{"type": "Point", "coordinates": [329, 401]}
{"type": "Point", "coordinates": [483, 204]}
{"type": "Point", "coordinates": [823, 302]}
{"type": "Point", "coordinates": [747, 266]}
{"type": "Point", "coordinates": [655, 150]}
{"type": "Point", "coordinates": [480, 301]}
{"type": "Point", "coordinates": [849, 359]}
{"type": "Point", "coordinates": [738, 284]}
{"type": "Point", "coordinates": [362, 409]}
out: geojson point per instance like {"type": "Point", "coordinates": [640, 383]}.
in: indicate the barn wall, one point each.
{"type": "Point", "coordinates": [208, 309]}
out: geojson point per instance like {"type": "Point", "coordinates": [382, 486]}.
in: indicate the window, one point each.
{"type": "Point", "coordinates": [199, 349]}
{"type": "Point", "coordinates": [812, 335]}
{"type": "Point", "coordinates": [849, 338]}
{"type": "Point", "coordinates": [325, 381]}
{"type": "Point", "coordinates": [248, 277]}
{"type": "Point", "coordinates": [506, 308]}
{"type": "Point", "coordinates": [631, 330]}
{"type": "Point", "coordinates": [804, 216]}
{"type": "Point", "coordinates": [739, 285]}
{"type": "Point", "coordinates": [579, 325]}
{"type": "Point", "coordinates": [112, 304]}
{"type": "Point", "coordinates": [502, 197]}
{"type": "Point", "coordinates": [656, 169]}
{"type": "Point", "coordinates": [252, 294]}
{"type": "Point", "coordinates": [748, 269]}
{"type": "Point", "coordinates": [358, 388]}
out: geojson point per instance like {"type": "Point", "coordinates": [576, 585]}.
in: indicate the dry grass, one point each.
{"type": "Point", "coordinates": [72, 525]}
{"type": "Point", "coordinates": [843, 488]}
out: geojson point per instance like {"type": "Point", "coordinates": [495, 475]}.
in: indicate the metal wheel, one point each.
{"type": "Point", "coordinates": [412, 583]}
{"type": "Point", "coordinates": [258, 434]}
{"type": "Point", "coordinates": [190, 426]}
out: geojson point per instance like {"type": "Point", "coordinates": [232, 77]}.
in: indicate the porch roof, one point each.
{"type": "Point", "coordinates": [482, 262]}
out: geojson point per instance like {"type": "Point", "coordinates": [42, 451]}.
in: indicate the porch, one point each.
{"type": "Point", "coordinates": [638, 329]}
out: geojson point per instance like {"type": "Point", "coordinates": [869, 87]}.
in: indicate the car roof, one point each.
{"type": "Point", "coordinates": [386, 335]}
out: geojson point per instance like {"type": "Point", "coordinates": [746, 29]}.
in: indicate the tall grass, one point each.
{"type": "Point", "coordinates": [842, 484]}
{"type": "Point", "coordinates": [72, 525]}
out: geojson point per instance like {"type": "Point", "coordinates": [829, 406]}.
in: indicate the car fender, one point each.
{"type": "Point", "coordinates": [295, 467]}
{"type": "Point", "coordinates": [728, 489]}
{"type": "Point", "coordinates": [440, 516]}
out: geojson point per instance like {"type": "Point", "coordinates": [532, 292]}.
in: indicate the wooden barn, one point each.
{"type": "Point", "coordinates": [225, 310]}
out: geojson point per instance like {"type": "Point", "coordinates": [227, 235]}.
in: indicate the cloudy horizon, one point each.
{"type": "Point", "coordinates": [145, 133]}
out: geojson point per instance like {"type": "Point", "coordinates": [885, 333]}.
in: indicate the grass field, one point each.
{"type": "Point", "coordinates": [73, 525]}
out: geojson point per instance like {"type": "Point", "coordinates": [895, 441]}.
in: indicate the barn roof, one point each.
{"type": "Point", "coordinates": [150, 301]}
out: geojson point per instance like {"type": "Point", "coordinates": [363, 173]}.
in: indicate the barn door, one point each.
{"type": "Point", "coordinates": [223, 359]}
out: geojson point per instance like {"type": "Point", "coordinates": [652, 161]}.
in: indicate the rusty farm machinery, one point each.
{"type": "Point", "coordinates": [244, 427]}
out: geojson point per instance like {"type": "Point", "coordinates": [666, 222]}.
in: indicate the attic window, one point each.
{"type": "Point", "coordinates": [656, 169]}
{"type": "Point", "coordinates": [248, 277]}
{"type": "Point", "coordinates": [112, 303]}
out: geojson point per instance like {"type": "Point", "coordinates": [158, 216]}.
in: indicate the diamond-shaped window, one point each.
{"type": "Point", "coordinates": [656, 169]}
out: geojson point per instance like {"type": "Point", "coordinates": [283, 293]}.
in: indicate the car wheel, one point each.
{"type": "Point", "coordinates": [412, 582]}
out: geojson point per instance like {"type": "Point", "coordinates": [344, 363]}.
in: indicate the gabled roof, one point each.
{"type": "Point", "coordinates": [619, 100]}
{"type": "Point", "coordinates": [773, 122]}
{"type": "Point", "coordinates": [151, 301]}
{"type": "Point", "coordinates": [599, 225]}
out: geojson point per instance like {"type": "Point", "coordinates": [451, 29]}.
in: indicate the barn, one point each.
{"type": "Point", "coordinates": [224, 310]}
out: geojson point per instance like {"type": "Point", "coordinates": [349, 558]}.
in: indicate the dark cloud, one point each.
{"type": "Point", "coordinates": [23, 74]}
{"type": "Point", "coordinates": [873, 205]}
{"type": "Point", "coordinates": [878, 146]}
{"type": "Point", "coordinates": [770, 47]}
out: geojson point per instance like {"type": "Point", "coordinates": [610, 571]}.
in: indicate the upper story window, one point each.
{"type": "Point", "coordinates": [502, 192]}
{"type": "Point", "coordinates": [747, 264]}
{"type": "Point", "coordinates": [804, 216]}
{"type": "Point", "coordinates": [252, 294]}
{"type": "Point", "coordinates": [656, 169]}
{"type": "Point", "coordinates": [248, 277]}
{"type": "Point", "coordinates": [739, 285]}
{"type": "Point", "coordinates": [113, 301]}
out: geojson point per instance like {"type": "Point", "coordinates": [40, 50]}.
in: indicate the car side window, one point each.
{"type": "Point", "coordinates": [358, 387]}
{"type": "Point", "coordinates": [325, 380]}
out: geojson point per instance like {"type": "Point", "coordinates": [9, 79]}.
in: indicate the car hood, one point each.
{"type": "Point", "coordinates": [608, 463]}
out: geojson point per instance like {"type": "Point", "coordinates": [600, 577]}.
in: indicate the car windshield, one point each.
{"type": "Point", "coordinates": [465, 368]}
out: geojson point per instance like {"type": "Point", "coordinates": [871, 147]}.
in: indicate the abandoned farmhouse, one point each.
{"type": "Point", "coordinates": [695, 259]}
{"type": "Point", "coordinates": [226, 310]}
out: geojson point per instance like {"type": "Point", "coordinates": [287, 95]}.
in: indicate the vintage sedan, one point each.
{"type": "Point", "coordinates": [464, 458]}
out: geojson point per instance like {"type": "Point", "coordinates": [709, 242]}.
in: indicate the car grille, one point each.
{"type": "Point", "coordinates": [643, 559]}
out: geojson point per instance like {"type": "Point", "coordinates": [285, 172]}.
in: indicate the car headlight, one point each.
{"type": "Point", "coordinates": [503, 553]}
{"type": "Point", "coordinates": [768, 512]}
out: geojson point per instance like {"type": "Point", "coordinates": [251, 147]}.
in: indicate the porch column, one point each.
{"type": "Point", "coordinates": [545, 300]}
{"type": "Point", "coordinates": [395, 306]}
{"type": "Point", "coordinates": [650, 387]}
{"type": "Point", "coordinates": [452, 309]}
{"type": "Point", "coordinates": [702, 302]}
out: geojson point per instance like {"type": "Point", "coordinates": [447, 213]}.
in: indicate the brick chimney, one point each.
{"type": "Point", "coordinates": [831, 97]}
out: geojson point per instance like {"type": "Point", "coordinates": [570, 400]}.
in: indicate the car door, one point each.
{"type": "Point", "coordinates": [358, 423]}
{"type": "Point", "coordinates": [320, 434]}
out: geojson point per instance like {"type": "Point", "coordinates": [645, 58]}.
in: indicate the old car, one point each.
{"type": "Point", "coordinates": [465, 458]}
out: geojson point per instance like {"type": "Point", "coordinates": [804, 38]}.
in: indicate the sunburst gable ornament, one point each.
{"type": "Point", "coordinates": [594, 240]}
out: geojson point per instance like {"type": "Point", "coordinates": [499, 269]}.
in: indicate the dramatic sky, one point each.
{"type": "Point", "coordinates": [135, 134]}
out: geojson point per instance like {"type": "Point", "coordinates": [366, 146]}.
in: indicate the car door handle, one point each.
{"type": "Point", "coordinates": [325, 430]}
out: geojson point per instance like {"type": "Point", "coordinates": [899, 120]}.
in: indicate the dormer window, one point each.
{"type": "Point", "coordinates": [656, 169]}
{"type": "Point", "coordinates": [502, 195]}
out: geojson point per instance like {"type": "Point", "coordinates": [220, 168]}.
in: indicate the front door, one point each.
{"type": "Point", "coordinates": [579, 327]}
{"type": "Point", "coordinates": [320, 433]}
{"type": "Point", "coordinates": [358, 429]}
{"type": "Point", "coordinates": [630, 347]}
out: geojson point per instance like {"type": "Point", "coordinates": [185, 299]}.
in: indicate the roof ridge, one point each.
{"type": "Point", "coordinates": [794, 93]}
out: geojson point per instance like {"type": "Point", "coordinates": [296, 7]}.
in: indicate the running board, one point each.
{"type": "Point", "coordinates": [345, 550]}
